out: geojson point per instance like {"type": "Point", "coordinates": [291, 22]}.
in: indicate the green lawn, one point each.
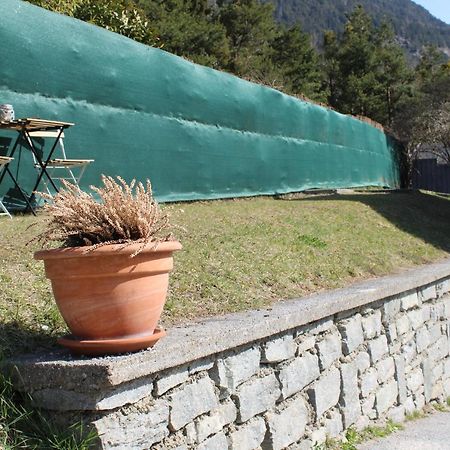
{"type": "Point", "coordinates": [243, 254]}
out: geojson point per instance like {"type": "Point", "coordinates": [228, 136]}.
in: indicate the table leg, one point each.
{"type": "Point", "coordinates": [20, 190]}
{"type": "Point", "coordinates": [42, 164]}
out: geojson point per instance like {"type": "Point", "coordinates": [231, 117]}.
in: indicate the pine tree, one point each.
{"type": "Point", "coordinates": [298, 63]}
{"type": "Point", "coordinates": [250, 28]}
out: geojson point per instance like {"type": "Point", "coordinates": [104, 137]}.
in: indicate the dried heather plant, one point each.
{"type": "Point", "coordinates": [125, 214]}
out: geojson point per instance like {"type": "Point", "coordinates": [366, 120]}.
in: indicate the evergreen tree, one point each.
{"type": "Point", "coordinates": [366, 70]}
{"type": "Point", "coordinates": [298, 63]}
{"type": "Point", "coordinates": [188, 28]}
{"type": "Point", "coordinates": [250, 27]}
{"type": "Point", "coordinates": [393, 75]}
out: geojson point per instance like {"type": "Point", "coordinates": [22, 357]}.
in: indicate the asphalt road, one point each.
{"type": "Point", "coordinates": [430, 433]}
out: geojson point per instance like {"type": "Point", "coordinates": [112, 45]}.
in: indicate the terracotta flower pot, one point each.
{"type": "Point", "coordinates": [110, 301]}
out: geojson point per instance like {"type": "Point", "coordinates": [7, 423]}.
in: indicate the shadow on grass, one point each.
{"type": "Point", "coordinates": [16, 339]}
{"type": "Point", "coordinates": [425, 216]}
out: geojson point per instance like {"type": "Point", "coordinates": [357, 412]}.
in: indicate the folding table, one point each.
{"type": "Point", "coordinates": [25, 128]}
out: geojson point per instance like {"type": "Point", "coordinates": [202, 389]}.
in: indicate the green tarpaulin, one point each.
{"type": "Point", "coordinates": [197, 133]}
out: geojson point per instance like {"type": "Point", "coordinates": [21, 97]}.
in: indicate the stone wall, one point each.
{"type": "Point", "coordinates": [377, 350]}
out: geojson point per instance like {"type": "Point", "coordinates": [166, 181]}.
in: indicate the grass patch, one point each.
{"type": "Point", "coordinates": [23, 427]}
{"type": "Point", "coordinates": [354, 437]}
{"type": "Point", "coordinates": [244, 254]}
{"type": "Point", "coordinates": [415, 415]}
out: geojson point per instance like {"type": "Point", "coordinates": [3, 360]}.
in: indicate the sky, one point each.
{"type": "Point", "coordinates": [439, 8]}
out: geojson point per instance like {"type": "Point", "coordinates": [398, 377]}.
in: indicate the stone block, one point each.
{"type": "Point", "coordinates": [362, 361]}
{"type": "Point", "coordinates": [426, 311]}
{"type": "Point", "coordinates": [410, 407]}
{"type": "Point", "coordinates": [435, 333]}
{"type": "Point", "coordinates": [391, 332]}
{"type": "Point", "coordinates": [229, 372]}
{"type": "Point", "coordinates": [390, 310]}
{"type": "Point", "coordinates": [402, 324]}
{"type": "Point", "coordinates": [287, 426]}
{"type": "Point", "coordinates": [325, 392]}
{"type": "Point", "coordinates": [298, 374]}
{"type": "Point", "coordinates": [305, 343]}
{"type": "Point", "coordinates": [352, 334]}
{"type": "Point", "coordinates": [442, 287]}
{"type": "Point", "coordinates": [369, 382]}
{"type": "Point", "coordinates": [427, 293]}
{"type": "Point", "coordinates": [447, 367]}
{"type": "Point", "coordinates": [386, 369]}
{"type": "Point", "coordinates": [437, 312]}
{"type": "Point", "coordinates": [446, 302]}
{"type": "Point", "coordinates": [396, 414]}
{"type": "Point", "coordinates": [368, 407]}
{"type": "Point", "coordinates": [378, 348]}
{"type": "Point", "coordinates": [170, 379]}
{"type": "Point", "coordinates": [386, 397]}
{"type": "Point", "coordinates": [329, 349]}
{"type": "Point", "coordinates": [349, 399]}
{"type": "Point", "coordinates": [427, 369]}
{"type": "Point", "coordinates": [437, 372]}
{"type": "Point", "coordinates": [200, 365]}
{"type": "Point", "coordinates": [134, 430]}
{"type": "Point", "coordinates": [217, 442]}
{"type": "Point", "coordinates": [409, 301]}
{"type": "Point", "coordinates": [372, 324]}
{"type": "Point", "coordinates": [437, 392]}
{"type": "Point", "coordinates": [279, 349]}
{"type": "Point", "coordinates": [422, 339]}
{"type": "Point", "coordinates": [419, 401]}
{"type": "Point", "coordinates": [416, 318]}
{"type": "Point", "coordinates": [409, 351]}
{"type": "Point", "coordinates": [190, 401]}
{"type": "Point", "coordinates": [248, 436]}
{"type": "Point", "coordinates": [256, 396]}
{"type": "Point", "coordinates": [439, 349]}
{"type": "Point", "coordinates": [214, 422]}
{"type": "Point", "coordinates": [414, 380]}
{"type": "Point", "coordinates": [446, 387]}
{"type": "Point", "coordinates": [400, 377]}
{"type": "Point", "coordinates": [333, 424]}
{"type": "Point", "coordinates": [320, 326]}
{"type": "Point", "coordinates": [319, 437]}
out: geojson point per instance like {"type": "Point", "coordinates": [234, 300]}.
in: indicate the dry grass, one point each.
{"type": "Point", "coordinates": [124, 214]}
{"type": "Point", "coordinates": [243, 254]}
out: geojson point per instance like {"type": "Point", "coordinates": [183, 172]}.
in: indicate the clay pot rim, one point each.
{"type": "Point", "coordinates": [110, 249]}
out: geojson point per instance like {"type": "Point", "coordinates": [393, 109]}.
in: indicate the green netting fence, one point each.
{"type": "Point", "coordinates": [197, 133]}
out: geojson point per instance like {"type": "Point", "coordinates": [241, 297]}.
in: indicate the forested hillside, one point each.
{"type": "Point", "coordinates": [413, 24]}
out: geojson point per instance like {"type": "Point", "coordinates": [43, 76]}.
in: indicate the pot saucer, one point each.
{"type": "Point", "coordinates": [97, 347]}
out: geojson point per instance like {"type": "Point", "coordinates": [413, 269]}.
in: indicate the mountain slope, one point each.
{"type": "Point", "coordinates": [413, 24]}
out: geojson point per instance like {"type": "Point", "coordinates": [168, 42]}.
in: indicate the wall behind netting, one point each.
{"type": "Point", "coordinates": [196, 132]}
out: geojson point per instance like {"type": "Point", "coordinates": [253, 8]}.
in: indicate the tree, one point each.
{"type": "Point", "coordinates": [298, 63]}
{"type": "Point", "coordinates": [119, 16]}
{"type": "Point", "coordinates": [250, 29]}
{"type": "Point", "coordinates": [393, 76]}
{"type": "Point", "coordinates": [189, 28]}
{"type": "Point", "coordinates": [423, 122]}
{"type": "Point", "coordinates": [366, 70]}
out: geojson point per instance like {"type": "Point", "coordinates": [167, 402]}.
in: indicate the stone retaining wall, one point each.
{"type": "Point", "coordinates": [288, 377]}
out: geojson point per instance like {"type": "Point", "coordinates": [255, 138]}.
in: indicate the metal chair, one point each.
{"type": "Point", "coordinates": [61, 168]}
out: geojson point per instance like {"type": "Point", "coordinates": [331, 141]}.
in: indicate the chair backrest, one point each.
{"type": "Point", "coordinates": [53, 135]}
